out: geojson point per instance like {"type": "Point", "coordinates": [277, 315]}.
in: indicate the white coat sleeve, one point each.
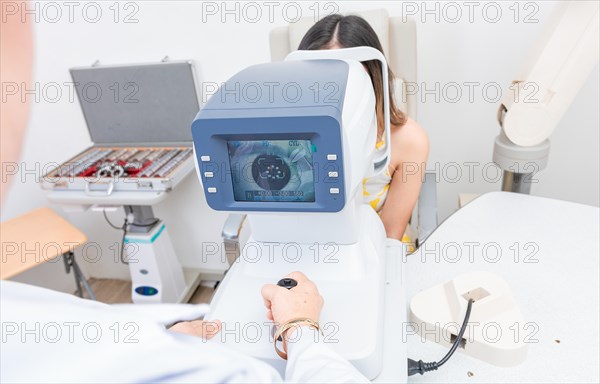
{"type": "Point", "coordinates": [50, 336]}
{"type": "Point", "coordinates": [312, 360]}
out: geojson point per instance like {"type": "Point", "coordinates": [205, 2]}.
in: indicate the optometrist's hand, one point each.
{"type": "Point", "coordinates": [200, 328]}
{"type": "Point", "coordinates": [302, 301]}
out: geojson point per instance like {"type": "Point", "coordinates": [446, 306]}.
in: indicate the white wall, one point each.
{"type": "Point", "coordinates": [478, 51]}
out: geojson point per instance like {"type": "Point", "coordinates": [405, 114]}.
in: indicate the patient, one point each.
{"type": "Point", "coordinates": [394, 193]}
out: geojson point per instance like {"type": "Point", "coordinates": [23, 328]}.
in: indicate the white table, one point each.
{"type": "Point", "coordinates": [559, 292]}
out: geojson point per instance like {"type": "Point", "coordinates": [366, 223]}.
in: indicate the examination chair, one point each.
{"type": "Point", "coordinates": [399, 40]}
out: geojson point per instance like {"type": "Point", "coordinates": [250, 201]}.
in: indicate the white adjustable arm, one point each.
{"type": "Point", "coordinates": [558, 66]}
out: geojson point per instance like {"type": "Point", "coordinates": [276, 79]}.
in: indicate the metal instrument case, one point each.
{"type": "Point", "coordinates": [141, 106]}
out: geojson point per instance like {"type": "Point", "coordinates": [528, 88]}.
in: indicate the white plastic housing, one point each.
{"type": "Point", "coordinates": [492, 334]}
{"type": "Point", "coordinates": [557, 67]}
{"type": "Point", "coordinates": [350, 278]}
{"type": "Point", "coordinates": [359, 135]}
{"type": "Point", "coordinates": [153, 263]}
{"type": "Point", "coordinates": [344, 253]}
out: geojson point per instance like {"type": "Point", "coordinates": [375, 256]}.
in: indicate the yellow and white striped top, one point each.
{"type": "Point", "coordinates": [375, 188]}
{"type": "Point", "coordinates": [375, 191]}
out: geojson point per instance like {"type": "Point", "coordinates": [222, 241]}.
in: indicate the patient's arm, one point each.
{"type": "Point", "coordinates": [410, 149]}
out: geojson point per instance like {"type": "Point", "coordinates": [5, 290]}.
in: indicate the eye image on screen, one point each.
{"type": "Point", "coordinates": [272, 170]}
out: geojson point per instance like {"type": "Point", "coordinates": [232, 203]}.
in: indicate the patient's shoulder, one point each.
{"type": "Point", "coordinates": [410, 142]}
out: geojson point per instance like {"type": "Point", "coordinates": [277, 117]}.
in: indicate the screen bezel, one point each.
{"type": "Point", "coordinates": [326, 138]}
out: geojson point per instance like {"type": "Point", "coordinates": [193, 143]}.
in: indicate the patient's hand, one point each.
{"type": "Point", "coordinates": [200, 328]}
{"type": "Point", "coordinates": [302, 301]}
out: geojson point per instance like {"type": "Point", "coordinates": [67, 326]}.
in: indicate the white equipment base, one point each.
{"type": "Point", "coordinates": [156, 274]}
{"type": "Point", "coordinates": [360, 317]}
{"type": "Point", "coordinates": [442, 308]}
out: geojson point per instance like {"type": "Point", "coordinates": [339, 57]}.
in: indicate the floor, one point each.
{"type": "Point", "coordinates": [113, 291]}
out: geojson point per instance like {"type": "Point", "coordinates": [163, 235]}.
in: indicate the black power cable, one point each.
{"type": "Point", "coordinates": [421, 367]}
{"type": "Point", "coordinates": [152, 224]}
{"type": "Point", "coordinates": [124, 228]}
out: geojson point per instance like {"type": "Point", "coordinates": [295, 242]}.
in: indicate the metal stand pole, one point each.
{"type": "Point", "coordinates": [143, 218]}
{"type": "Point", "coordinates": [518, 162]}
{"type": "Point", "coordinates": [69, 260]}
{"type": "Point", "coordinates": [517, 182]}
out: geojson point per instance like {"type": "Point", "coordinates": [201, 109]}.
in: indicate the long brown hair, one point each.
{"type": "Point", "coordinates": [354, 31]}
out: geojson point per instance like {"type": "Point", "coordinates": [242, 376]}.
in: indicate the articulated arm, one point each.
{"type": "Point", "coordinates": [557, 67]}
